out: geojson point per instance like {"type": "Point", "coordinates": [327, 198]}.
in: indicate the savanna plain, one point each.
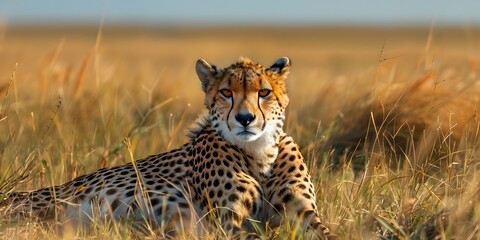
{"type": "Point", "coordinates": [387, 119]}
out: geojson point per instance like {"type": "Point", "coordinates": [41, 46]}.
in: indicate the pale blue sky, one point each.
{"type": "Point", "coordinates": [199, 12]}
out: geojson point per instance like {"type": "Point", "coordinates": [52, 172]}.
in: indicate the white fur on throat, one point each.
{"type": "Point", "coordinates": [263, 149]}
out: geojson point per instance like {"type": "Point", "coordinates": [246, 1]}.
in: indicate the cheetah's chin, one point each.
{"type": "Point", "coordinates": [247, 136]}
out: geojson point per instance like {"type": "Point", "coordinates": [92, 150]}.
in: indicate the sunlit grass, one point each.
{"type": "Point", "coordinates": [387, 120]}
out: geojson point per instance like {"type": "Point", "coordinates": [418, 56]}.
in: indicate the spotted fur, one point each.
{"type": "Point", "coordinates": [238, 165]}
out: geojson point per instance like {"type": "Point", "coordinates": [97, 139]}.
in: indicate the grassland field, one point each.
{"type": "Point", "coordinates": [388, 119]}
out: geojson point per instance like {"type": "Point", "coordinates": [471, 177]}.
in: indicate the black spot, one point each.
{"type": "Point", "coordinates": [88, 190]}
{"type": "Point", "coordinates": [269, 183]}
{"type": "Point", "coordinates": [302, 167]}
{"type": "Point", "coordinates": [183, 205]}
{"type": "Point", "coordinates": [219, 193]}
{"type": "Point", "coordinates": [211, 194]}
{"type": "Point", "coordinates": [291, 158]}
{"type": "Point", "coordinates": [241, 189]}
{"type": "Point", "coordinates": [111, 191]}
{"type": "Point", "coordinates": [283, 164]}
{"type": "Point", "coordinates": [115, 204]}
{"type": "Point", "coordinates": [154, 201]}
{"type": "Point", "coordinates": [77, 184]}
{"type": "Point", "coordinates": [220, 172]}
{"type": "Point", "coordinates": [179, 194]}
{"type": "Point", "coordinates": [94, 182]}
{"type": "Point", "coordinates": [278, 207]}
{"type": "Point", "coordinates": [228, 186]}
{"type": "Point", "coordinates": [216, 183]}
{"type": "Point", "coordinates": [45, 193]}
{"type": "Point", "coordinates": [227, 164]}
{"type": "Point", "coordinates": [150, 182]}
{"type": "Point", "coordinates": [243, 180]}
{"type": "Point", "coordinates": [287, 198]}
{"type": "Point", "coordinates": [233, 197]}
{"type": "Point", "coordinates": [130, 193]}
{"type": "Point", "coordinates": [229, 175]}
{"type": "Point", "coordinates": [291, 169]}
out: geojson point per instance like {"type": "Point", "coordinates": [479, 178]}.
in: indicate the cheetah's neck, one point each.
{"type": "Point", "coordinates": [263, 151]}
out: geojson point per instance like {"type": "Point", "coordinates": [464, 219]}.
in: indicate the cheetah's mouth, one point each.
{"type": "Point", "coordinates": [245, 133]}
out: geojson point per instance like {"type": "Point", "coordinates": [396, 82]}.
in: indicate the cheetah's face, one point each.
{"type": "Point", "coordinates": [246, 100]}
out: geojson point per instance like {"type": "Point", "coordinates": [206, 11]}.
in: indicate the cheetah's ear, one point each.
{"type": "Point", "coordinates": [206, 73]}
{"type": "Point", "coordinates": [281, 66]}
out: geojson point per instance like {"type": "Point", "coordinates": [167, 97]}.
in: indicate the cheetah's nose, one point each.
{"type": "Point", "coordinates": [245, 118]}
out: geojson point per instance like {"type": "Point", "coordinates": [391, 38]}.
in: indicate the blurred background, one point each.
{"type": "Point", "coordinates": [223, 13]}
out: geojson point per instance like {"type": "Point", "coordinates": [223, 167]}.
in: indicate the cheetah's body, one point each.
{"type": "Point", "coordinates": [238, 162]}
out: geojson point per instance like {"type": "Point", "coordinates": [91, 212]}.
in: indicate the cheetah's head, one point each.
{"type": "Point", "coordinates": [246, 101]}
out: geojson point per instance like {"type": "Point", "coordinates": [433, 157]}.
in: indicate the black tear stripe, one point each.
{"type": "Point", "coordinates": [263, 115]}
{"type": "Point", "coordinates": [260, 108]}
{"type": "Point", "coordinates": [228, 115]}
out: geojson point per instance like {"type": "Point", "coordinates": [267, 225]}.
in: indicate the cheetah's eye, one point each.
{"type": "Point", "coordinates": [264, 93]}
{"type": "Point", "coordinates": [226, 93]}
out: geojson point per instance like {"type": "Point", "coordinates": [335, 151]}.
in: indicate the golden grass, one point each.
{"type": "Point", "coordinates": [387, 119]}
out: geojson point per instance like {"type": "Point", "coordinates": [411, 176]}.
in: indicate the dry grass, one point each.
{"type": "Point", "coordinates": [387, 119]}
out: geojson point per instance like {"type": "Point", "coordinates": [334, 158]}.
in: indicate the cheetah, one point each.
{"type": "Point", "coordinates": [238, 165]}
